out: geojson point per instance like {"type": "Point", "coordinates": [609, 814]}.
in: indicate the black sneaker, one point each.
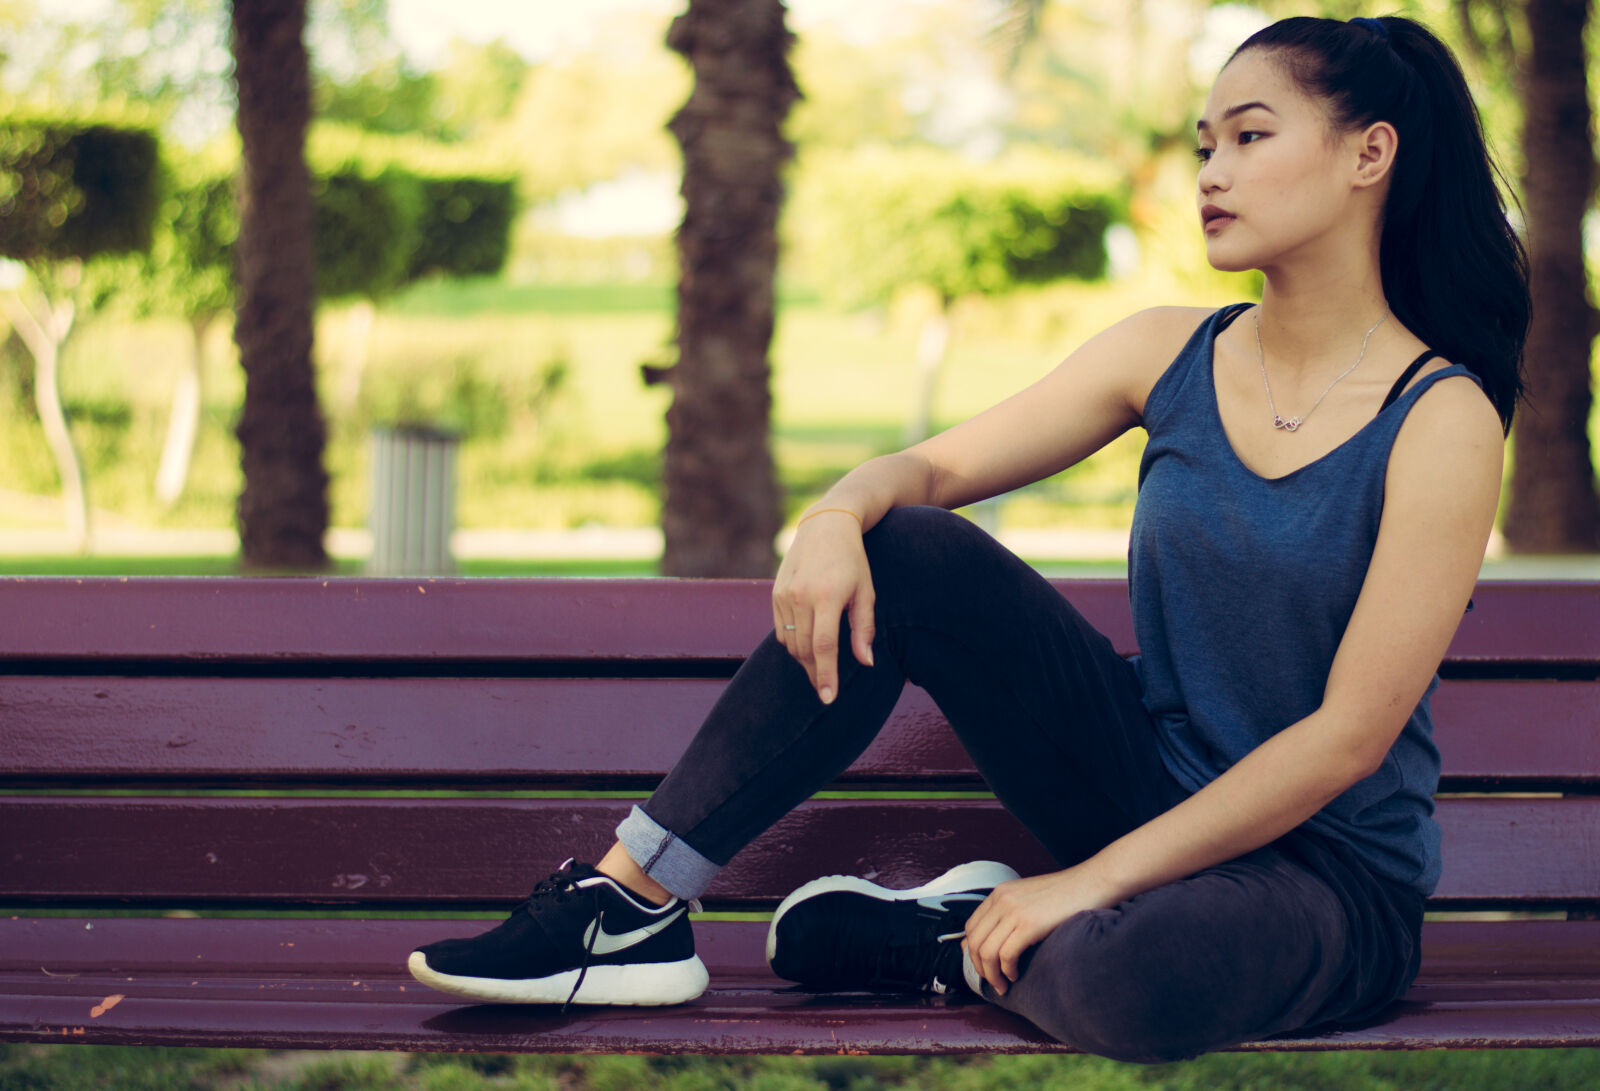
{"type": "Point", "coordinates": [580, 938]}
{"type": "Point", "coordinates": [845, 933]}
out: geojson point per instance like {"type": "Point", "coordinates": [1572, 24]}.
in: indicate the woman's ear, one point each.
{"type": "Point", "coordinates": [1375, 150]}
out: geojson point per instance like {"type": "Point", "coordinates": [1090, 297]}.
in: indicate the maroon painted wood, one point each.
{"type": "Point", "coordinates": [298, 682]}
{"type": "Point", "coordinates": [341, 985]}
{"type": "Point", "coordinates": [437, 853]}
{"type": "Point", "coordinates": [207, 620]}
{"type": "Point", "coordinates": [538, 732]}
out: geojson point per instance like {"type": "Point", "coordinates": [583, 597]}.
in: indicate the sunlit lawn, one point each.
{"type": "Point", "coordinates": [148, 1069]}
{"type": "Point", "coordinates": [843, 385]}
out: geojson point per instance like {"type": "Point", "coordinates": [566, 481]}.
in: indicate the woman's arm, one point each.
{"type": "Point", "coordinates": [1085, 402]}
{"type": "Point", "coordinates": [1441, 491]}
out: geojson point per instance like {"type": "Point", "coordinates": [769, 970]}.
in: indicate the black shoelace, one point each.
{"type": "Point", "coordinates": [557, 887]}
{"type": "Point", "coordinates": [588, 948]}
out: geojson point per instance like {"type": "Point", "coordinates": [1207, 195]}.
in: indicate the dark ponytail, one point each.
{"type": "Point", "coordinates": [1453, 268]}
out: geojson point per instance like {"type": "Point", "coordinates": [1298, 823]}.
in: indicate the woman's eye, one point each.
{"type": "Point", "coordinates": [1204, 154]}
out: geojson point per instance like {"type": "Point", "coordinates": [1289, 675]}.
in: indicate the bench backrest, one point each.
{"type": "Point", "coordinates": [437, 744]}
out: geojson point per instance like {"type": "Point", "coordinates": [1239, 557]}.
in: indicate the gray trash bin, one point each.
{"type": "Point", "coordinates": [413, 501]}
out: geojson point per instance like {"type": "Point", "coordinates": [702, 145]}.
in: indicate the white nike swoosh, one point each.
{"type": "Point", "coordinates": [939, 901]}
{"type": "Point", "coordinates": [608, 943]}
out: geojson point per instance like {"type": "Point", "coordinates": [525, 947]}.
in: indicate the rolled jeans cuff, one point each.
{"type": "Point", "coordinates": [664, 856]}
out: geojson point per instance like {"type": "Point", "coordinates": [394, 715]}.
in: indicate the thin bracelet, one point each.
{"type": "Point", "coordinates": [819, 511]}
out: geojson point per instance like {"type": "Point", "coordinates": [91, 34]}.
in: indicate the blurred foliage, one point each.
{"type": "Point", "coordinates": [188, 269]}
{"type": "Point", "coordinates": [392, 210]}
{"type": "Point", "coordinates": [387, 212]}
{"type": "Point", "coordinates": [1098, 80]}
{"type": "Point", "coordinates": [365, 229]}
{"type": "Point", "coordinates": [73, 188]}
{"type": "Point", "coordinates": [475, 87]}
{"type": "Point", "coordinates": [877, 220]}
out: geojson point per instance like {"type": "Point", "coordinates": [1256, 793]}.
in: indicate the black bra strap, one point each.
{"type": "Point", "coordinates": [1227, 319]}
{"type": "Point", "coordinates": [1405, 377]}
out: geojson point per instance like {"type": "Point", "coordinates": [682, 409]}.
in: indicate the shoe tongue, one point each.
{"type": "Point", "coordinates": [574, 870]}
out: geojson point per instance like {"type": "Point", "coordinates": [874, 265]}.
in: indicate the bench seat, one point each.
{"type": "Point", "coordinates": [197, 982]}
{"type": "Point", "coordinates": [316, 757]}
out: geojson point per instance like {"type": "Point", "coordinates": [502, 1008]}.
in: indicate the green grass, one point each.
{"type": "Point", "coordinates": [583, 451]}
{"type": "Point", "coordinates": [138, 1069]}
{"type": "Point", "coordinates": [216, 565]}
{"type": "Point", "coordinates": [471, 297]}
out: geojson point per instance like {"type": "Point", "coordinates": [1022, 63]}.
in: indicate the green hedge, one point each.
{"type": "Point", "coordinates": [366, 229]}
{"type": "Point", "coordinates": [382, 218]}
{"type": "Point", "coordinates": [466, 226]}
{"type": "Point", "coordinates": [76, 189]}
{"type": "Point", "coordinates": [876, 220]}
{"type": "Point", "coordinates": [451, 208]}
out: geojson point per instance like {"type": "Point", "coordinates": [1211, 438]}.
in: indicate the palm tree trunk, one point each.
{"type": "Point", "coordinates": [721, 507]}
{"type": "Point", "coordinates": [1554, 507]}
{"type": "Point", "coordinates": [283, 509]}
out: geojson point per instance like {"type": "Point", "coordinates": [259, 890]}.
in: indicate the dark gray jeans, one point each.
{"type": "Point", "coordinates": [1293, 935]}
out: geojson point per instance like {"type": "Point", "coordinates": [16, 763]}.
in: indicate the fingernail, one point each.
{"type": "Point", "coordinates": [827, 695]}
{"type": "Point", "coordinates": [869, 658]}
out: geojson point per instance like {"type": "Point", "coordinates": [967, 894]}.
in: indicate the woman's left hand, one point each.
{"type": "Point", "coordinates": [1020, 913]}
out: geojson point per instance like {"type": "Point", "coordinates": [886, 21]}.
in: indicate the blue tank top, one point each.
{"type": "Point", "coordinates": [1241, 589]}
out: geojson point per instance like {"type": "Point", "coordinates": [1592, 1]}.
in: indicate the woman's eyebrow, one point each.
{"type": "Point", "coordinates": [1231, 111]}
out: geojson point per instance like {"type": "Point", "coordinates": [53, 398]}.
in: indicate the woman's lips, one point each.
{"type": "Point", "coordinates": [1217, 223]}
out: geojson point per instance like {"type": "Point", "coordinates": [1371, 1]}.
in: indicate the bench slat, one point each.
{"type": "Point", "coordinates": [452, 732]}
{"type": "Point", "coordinates": [207, 621]}
{"type": "Point", "coordinates": [443, 852]}
{"type": "Point", "coordinates": [271, 983]}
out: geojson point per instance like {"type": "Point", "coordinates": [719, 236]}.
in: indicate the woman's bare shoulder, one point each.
{"type": "Point", "coordinates": [1144, 344]}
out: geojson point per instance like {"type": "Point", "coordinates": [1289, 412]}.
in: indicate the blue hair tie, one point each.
{"type": "Point", "coordinates": [1373, 25]}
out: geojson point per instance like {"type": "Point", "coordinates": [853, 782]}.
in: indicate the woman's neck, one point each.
{"type": "Point", "coordinates": [1315, 320]}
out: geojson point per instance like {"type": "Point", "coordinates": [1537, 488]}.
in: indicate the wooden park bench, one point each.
{"type": "Point", "coordinates": [315, 759]}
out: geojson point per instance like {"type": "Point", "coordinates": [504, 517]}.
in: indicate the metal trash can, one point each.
{"type": "Point", "coordinates": [413, 500]}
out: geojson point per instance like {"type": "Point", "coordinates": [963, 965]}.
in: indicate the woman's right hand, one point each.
{"type": "Point", "coordinates": [824, 574]}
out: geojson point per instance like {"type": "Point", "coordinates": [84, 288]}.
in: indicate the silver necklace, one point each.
{"type": "Point", "coordinates": [1293, 423]}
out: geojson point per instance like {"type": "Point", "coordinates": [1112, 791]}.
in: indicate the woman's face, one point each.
{"type": "Point", "coordinates": [1268, 161]}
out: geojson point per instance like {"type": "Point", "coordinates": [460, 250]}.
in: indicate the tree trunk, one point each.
{"type": "Point", "coordinates": [44, 334]}
{"type": "Point", "coordinates": [933, 348]}
{"type": "Point", "coordinates": [283, 509]}
{"type": "Point", "coordinates": [1554, 507]}
{"type": "Point", "coordinates": [721, 508]}
{"type": "Point", "coordinates": [358, 346]}
{"type": "Point", "coordinates": [184, 423]}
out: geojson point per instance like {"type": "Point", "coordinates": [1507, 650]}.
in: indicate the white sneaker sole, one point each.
{"type": "Point", "coordinates": [642, 983]}
{"type": "Point", "coordinates": [976, 875]}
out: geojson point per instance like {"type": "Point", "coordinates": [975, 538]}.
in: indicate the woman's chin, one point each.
{"type": "Point", "coordinates": [1224, 262]}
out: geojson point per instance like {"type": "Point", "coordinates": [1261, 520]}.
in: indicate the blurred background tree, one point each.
{"type": "Point", "coordinates": [583, 289]}
{"type": "Point", "coordinates": [71, 191]}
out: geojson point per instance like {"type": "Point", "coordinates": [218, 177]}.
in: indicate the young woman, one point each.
{"type": "Point", "coordinates": [1243, 814]}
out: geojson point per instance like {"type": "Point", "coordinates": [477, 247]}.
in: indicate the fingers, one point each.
{"type": "Point", "coordinates": [981, 944]}
{"type": "Point", "coordinates": [811, 635]}
{"type": "Point", "coordinates": [863, 627]}
{"type": "Point", "coordinates": [824, 644]}
{"type": "Point", "coordinates": [780, 624]}
{"type": "Point", "coordinates": [997, 934]}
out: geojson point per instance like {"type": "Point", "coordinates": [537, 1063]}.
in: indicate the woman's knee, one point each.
{"type": "Point", "coordinates": [922, 544]}
{"type": "Point", "coordinates": [1106, 989]}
